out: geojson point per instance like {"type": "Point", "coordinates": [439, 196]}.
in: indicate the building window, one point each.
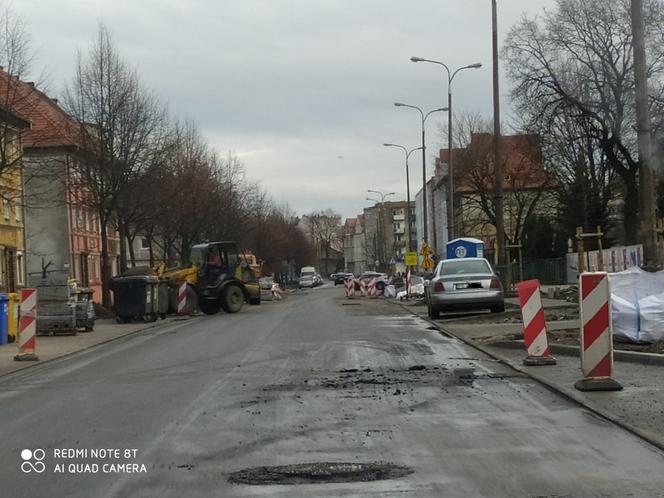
{"type": "Point", "coordinates": [145, 243]}
{"type": "Point", "coordinates": [18, 213]}
{"type": "Point", "coordinates": [20, 268]}
{"type": "Point", "coordinates": [397, 238]}
{"type": "Point", "coordinates": [5, 209]}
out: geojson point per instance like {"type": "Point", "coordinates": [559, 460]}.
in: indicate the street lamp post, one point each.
{"type": "Point", "coordinates": [380, 231]}
{"type": "Point", "coordinates": [424, 116]}
{"type": "Point", "coordinates": [450, 196]}
{"type": "Point", "coordinates": [409, 219]}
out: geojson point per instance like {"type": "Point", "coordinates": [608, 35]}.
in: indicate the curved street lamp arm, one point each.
{"type": "Point", "coordinates": [442, 109]}
{"type": "Point", "coordinates": [397, 145]}
{"type": "Point", "coordinates": [411, 151]}
{"type": "Point", "coordinates": [476, 65]}
{"type": "Point", "coordinates": [399, 104]}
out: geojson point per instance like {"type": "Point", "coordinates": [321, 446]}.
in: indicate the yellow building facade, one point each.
{"type": "Point", "coordinates": [12, 233]}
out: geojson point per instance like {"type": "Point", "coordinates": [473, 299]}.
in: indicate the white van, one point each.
{"type": "Point", "coordinates": [307, 271]}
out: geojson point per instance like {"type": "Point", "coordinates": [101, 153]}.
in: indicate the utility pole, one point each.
{"type": "Point", "coordinates": [497, 157]}
{"type": "Point", "coordinates": [648, 235]}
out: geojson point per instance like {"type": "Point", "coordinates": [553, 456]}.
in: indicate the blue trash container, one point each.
{"type": "Point", "coordinates": [4, 311]}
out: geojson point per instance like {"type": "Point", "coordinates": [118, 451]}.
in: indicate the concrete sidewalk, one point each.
{"type": "Point", "coordinates": [52, 347]}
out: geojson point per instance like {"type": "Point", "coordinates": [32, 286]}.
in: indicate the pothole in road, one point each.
{"type": "Point", "coordinates": [320, 473]}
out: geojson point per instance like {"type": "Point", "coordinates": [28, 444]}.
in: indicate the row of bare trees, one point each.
{"type": "Point", "coordinates": [159, 178]}
{"type": "Point", "coordinates": [145, 173]}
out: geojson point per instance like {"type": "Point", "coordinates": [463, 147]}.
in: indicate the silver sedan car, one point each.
{"type": "Point", "coordinates": [464, 283]}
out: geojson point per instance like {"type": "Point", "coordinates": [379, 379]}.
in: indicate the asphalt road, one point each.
{"type": "Point", "coordinates": [314, 378]}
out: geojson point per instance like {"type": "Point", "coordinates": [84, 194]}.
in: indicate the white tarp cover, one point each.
{"type": "Point", "coordinates": [637, 305]}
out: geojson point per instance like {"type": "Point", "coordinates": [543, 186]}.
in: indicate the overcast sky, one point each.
{"type": "Point", "coordinates": [300, 90]}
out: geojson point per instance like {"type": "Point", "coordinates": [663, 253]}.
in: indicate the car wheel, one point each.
{"type": "Point", "coordinates": [380, 286]}
{"type": "Point", "coordinates": [499, 308]}
{"type": "Point", "coordinates": [433, 312]}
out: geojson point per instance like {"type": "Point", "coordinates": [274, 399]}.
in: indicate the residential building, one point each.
{"type": "Point", "coordinates": [12, 235]}
{"type": "Point", "coordinates": [377, 239]}
{"type": "Point", "coordinates": [528, 189]}
{"type": "Point", "coordinates": [63, 233]}
{"type": "Point", "coordinates": [354, 240]}
{"type": "Point", "coordinates": [436, 211]}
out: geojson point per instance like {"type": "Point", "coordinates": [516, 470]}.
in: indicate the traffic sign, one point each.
{"type": "Point", "coordinates": [427, 263]}
{"type": "Point", "coordinates": [410, 259]}
{"type": "Point", "coordinates": [392, 261]}
{"type": "Point", "coordinates": [426, 250]}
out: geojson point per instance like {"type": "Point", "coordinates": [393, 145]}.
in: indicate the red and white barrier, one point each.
{"type": "Point", "coordinates": [277, 294]}
{"type": "Point", "coordinates": [534, 324]}
{"type": "Point", "coordinates": [371, 290]}
{"type": "Point", "coordinates": [349, 284]}
{"type": "Point", "coordinates": [27, 335]}
{"type": "Point", "coordinates": [182, 299]}
{"type": "Point", "coordinates": [596, 334]}
{"type": "Point", "coordinates": [363, 288]}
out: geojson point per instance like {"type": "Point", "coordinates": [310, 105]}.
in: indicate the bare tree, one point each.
{"type": "Point", "coordinates": [16, 57]}
{"type": "Point", "coordinates": [528, 188]}
{"type": "Point", "coordinates": [118, 122]}
{"type": "Point", "coordinates": [324, 230]}
{"type": "Point", "coordinates": [576, 60]}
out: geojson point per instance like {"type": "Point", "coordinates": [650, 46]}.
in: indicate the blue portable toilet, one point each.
{"type": "Point", "coordinates": [465, 248]}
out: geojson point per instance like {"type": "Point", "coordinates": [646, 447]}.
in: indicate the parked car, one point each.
{"type": "Point", "coordinates": [367, 276]}
{"type": "Point", "coordinates": [464, 283]}
{"type": "Point", "coordinates": [306, 281]}
{"type": "Point", "coordinates": [340, 278]}
{"type": "Point", "coordinates": [417, 288]}
{"type": "Point", "coordinates": [318, 280]}
{"type": "Point", "coordinates": [266, 282]}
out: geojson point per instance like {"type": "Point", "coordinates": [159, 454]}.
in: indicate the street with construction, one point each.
{"type": "Point", "coordinates": [320, 393]}
{"type": "Point", "coordinates": [332, 248]}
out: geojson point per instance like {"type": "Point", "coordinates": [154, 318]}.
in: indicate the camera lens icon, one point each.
{"type": "Point", "coordinates": [28, 465]}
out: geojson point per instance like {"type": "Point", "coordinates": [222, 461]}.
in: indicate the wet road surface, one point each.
{"type": "Point", "coordinates": [299, 384]}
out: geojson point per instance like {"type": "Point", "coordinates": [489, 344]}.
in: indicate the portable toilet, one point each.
{"type": "Point", "coordinates": [465, 248]}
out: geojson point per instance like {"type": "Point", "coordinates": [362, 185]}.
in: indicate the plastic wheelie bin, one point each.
{"type": "Point", "coordinates": [136, 298]}
{"type": "Point", "coordinates": [162, 298]}
{"type": "Point", "coordinates": [85, 310]}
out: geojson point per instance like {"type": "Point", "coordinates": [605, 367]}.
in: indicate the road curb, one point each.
{"type": "Point", "coordinates": [72, 353]}
{"type": "Point", "coordinates": [569, 394]}
{"type": "Point", "coordinates": [648, 359]}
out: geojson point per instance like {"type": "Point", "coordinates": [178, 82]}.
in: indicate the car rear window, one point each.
{"type": "Point", "coordinates": [464, 267]}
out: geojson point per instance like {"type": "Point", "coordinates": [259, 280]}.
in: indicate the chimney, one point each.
{"type": "Point", "coordinates": [31, 83]}
{"type": "Point", "coordinates": [55, 101]}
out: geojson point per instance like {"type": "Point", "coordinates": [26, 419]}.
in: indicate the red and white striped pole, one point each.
{"type": "Point", "coordinates": [363, 288]}
{"type": "Point", "coordinates": [276, 292]}
{"type": "Point", "coordinates": [408, 283]}
{"type": "Point", "coordinates": [182, 298]}
{"type": "Point", "coordinates": [350, 287]}
{"type": "Point", "coordinates": [534, 324]}
{"type": "Point", "coordinates": [27, 335]}
{"type": "Point", "coordinates": [596, 334]}
{"type": "Point", "coordinates": [372, 288]}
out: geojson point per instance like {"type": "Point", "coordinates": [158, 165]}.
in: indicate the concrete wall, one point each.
{"type": "Point", "coordinates": [46, 222]}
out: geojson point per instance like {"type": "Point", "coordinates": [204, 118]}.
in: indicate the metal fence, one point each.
{"type": "Point", "coordinates": [548, 271]}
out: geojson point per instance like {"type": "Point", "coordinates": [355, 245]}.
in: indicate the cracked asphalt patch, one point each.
{"type": "Point", "coordinates": [320, 473]}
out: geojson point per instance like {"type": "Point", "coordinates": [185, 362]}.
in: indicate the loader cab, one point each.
{"type": "Point", "coordinates": [213, 262]}
{"type": "Point", "coordinates": [220, 261]}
